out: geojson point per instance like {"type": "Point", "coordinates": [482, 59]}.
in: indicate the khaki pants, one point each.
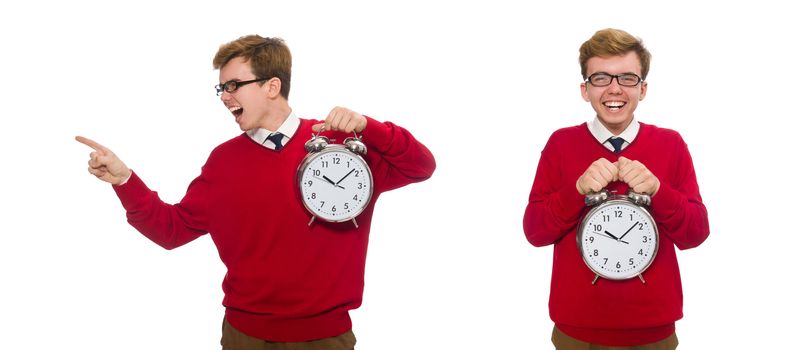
{"type": "Point", "coordinates": [232, 339]}
{"type": "Point", "coordinates": [565, 342]}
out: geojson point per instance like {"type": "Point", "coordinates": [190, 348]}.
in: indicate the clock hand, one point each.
{"type": "Point", "coordinates": [346, 175]}
{"type": "Point", "coordinates": [628, 230]}
{"type": "Point", "coordinates": [614, 237]}
{"type": "Point", "coordinates": [330, 181]}
{"type": "Point", "coordinates": [324, 178]}
{"type": "Point", "coordinates": [600, 234]}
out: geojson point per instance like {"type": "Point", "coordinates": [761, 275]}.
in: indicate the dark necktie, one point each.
{"type": "Point", "coordinates": [617, 143]}
{"type": "Point", "coordinates": [276, 138]}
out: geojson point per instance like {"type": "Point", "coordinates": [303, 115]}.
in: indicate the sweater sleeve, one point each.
{"type": "Point", "coordinates": [398, 159]}
{"type": "Point", "coordinates": [554, 204]}
{"type": "Point", "coordinates": [167, 225]}
{"type": "Point", "coordinates": [677, 206]}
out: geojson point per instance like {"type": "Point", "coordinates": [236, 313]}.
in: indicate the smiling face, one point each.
{"type": "Point", "coordinates": [614, 104]}
{"type": "Point", "coordinates": [250, 104]}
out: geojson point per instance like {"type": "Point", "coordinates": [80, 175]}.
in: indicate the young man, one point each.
{"type": "Point", "coordinates": [615, 152]}
{"type": "Point", "coordinates": [287, 284]}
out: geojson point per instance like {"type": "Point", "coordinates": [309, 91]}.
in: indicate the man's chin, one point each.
{"type": "Point", "coordinates": [242, 126]}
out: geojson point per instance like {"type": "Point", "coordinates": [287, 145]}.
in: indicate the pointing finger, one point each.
{"type": "Point", "coordinates": [92, 144]}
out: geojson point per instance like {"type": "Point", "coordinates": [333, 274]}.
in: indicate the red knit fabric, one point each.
{"type": "Point", "coordinates": [285, 281]}
{"type": "Point", "coordinates": [615, 313]}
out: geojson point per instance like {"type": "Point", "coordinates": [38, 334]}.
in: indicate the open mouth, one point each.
{"type": "Point", "coordinates": [236, 111]}
{"type": "Point", "coordinates": [614, 105]}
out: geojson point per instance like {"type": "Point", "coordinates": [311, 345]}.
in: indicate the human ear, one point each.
{"type": "Point", "coordinates": [584, 92]}
{"type": "Point", "coordinates": [274, 87]}
{"type": "Point", "coordinates": [643, 91]}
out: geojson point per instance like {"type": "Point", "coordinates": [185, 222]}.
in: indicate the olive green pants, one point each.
{"type": "Point", "coordinates": [232, 339]}
{"type": "Point", "coordinates": [565, 342]}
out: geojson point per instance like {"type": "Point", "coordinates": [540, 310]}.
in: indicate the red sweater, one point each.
{"type": "Point", "coordinates": [615, 313]}
{"type": "Point", "coordinates": [285, 281]}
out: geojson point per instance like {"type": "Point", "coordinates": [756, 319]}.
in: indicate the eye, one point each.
{"type": "Point", "coordinates": [231, 86]}
{"type": "Point", "coordinates": [600, 78]}
{"type": "Point", "coordinates": [629, 79]}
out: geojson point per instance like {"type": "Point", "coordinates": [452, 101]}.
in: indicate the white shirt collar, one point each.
{"type": "Point", "coordinates": [602, 134]}
{"type": "Point", "coordinates": [288, 128]}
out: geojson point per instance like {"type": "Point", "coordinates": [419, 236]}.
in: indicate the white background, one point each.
{"type": "Point", "coordinates": [483, 86]}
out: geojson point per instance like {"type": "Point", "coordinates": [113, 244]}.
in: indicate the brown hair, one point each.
{"type": "Point", "coordinates": [613, 42]}
{"type": "Point", "coordinates": [268, 57]}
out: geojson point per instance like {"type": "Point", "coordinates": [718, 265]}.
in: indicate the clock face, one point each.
{"type": "Point", "coordinates": [618, 239]}
{"type": "Point", "coordinates": [335, 184]}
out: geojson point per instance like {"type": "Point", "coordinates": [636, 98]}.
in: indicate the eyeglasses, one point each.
{"type": "Point", "coordinates": [605, 79]}
{"type": "Point", "coordinates": [233, 85]}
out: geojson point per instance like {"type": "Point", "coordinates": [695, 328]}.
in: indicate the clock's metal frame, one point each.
{"type": "Point", "coordinates": [319, 146]}
{"type": "Point", "coordinates": [602, 200]}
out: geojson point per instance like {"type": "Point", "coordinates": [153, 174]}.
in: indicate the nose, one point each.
{"type": "Point", "coordinates": [614, 87]}
{"type": "Point", "coordinates": [224, 97]}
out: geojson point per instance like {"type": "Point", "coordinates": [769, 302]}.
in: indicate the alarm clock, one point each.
{"type": "Point", "coordinates": [618, 238]}
{"type": "Point", "coordinates": [334, 180]}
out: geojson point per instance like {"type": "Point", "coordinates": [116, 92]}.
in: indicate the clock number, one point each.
{"type": "Point", "coordinates": [346, 206]}
{"type": "Point", "coordinates": [641, 226]}
{"type": "Point", "coordinates": [591, 239]}
{"type": "Point", "coordinates": [333, 208]}
{"type": "Point", "coordinates": [618, 265]}
{"type": "Point", "coordinates": [356, 197]}
{"type": "Point", "coordinates": [605, 261]}
{"type": "Point", "coordinates": [631, 217]}
{"type": "Point", "coordinates": [357, 173]}
{"type": "Point", "coordinates": [336, 160]}
{"type": "Point", "coordinates": [324, 164]}
{"type": "Point", "coordinates": [618, 213]}
{"type": "Point", "coordinates": [595, 252]}
{"type": "Point", "coordinates": [640, 252]}
{"type": "Point", "coordinates": [631, 262]}
{"type": "Point", "coordinates": [598, 228]}
{"type": "Point", "coordinates": [348, 164]}
{"type": "Point", "coordinates": [316, 172]}
{"type": "Point", "coordinates": [322, 203]}
{"type": "Point", "coordinates": [309, 183]}
{"type": "Point", "coordinates": [360, 185]}
{"type": "Point", "coordinates": [606, 218]}
{"type": "Point", "coordinates": [312, 195]}
{"type": "Point", "coordinates": [644, 239]}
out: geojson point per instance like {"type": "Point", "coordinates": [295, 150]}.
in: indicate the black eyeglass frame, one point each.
{"type": "Point", "coordinates": [612, 77]}
{"type": "Point", "coordinates": [233, 85]}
